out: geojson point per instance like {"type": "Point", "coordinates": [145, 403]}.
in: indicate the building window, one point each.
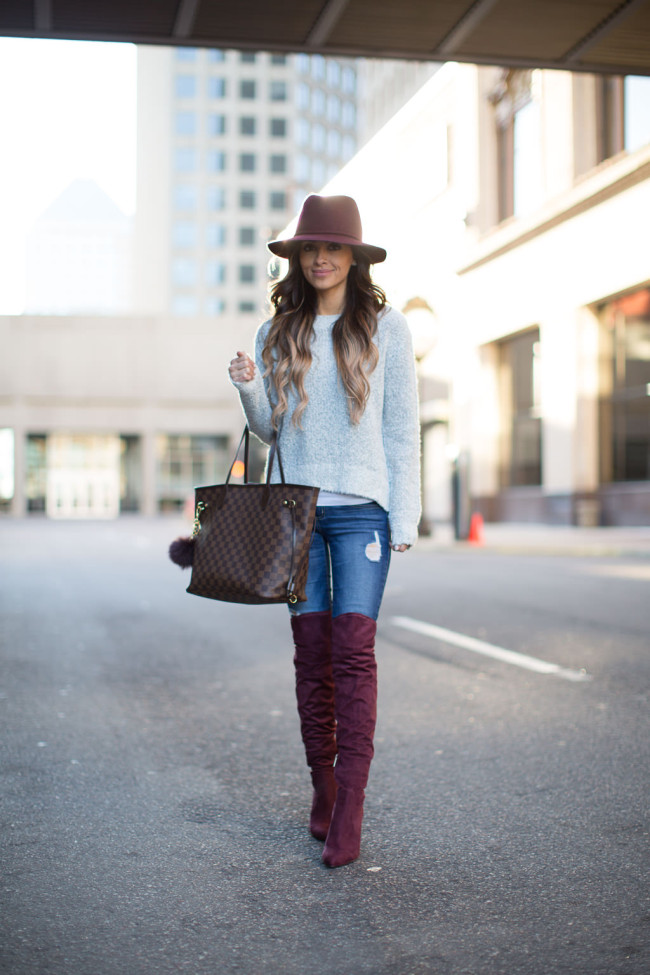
{"type": "Point", "coordinates": [302, 167]}
{"type": "Point", "coordinates": [349, 81]}
{"type": "Point", "coordinates": [215, 235]}
{"type": "Point", "coordinates": [216, 197]}
{"type": "Point", "coordinates": [349, 147]}
{"type": "Point", "coordinates": [36, 472]}
{"type": "Point", "coordinates": [333, 108]}
{"type": "Point", "coordinates": [216, 56]}
{"type": "Point", "coordinates": [278, 127]}
{"type": "Point", "coordinates": [278, 163]}
{"type": "Point", "coordinates": [318, 67]}
{"type": "Point", "coordinates": [183, 462]}
{"type": "Point", "coordinates": [247, 162]}
{"type": "Point", "coordinates": [278, 200]}
{"type": "Point", "coordinates": [278, 91]}
{"type": "Point", "coordinates": [248, 57]}
{"type": "Point", "coordinates": [318, 101]}
{"type": "Point", "coordinates": [184, 235]}
{"type": "Point", "coordinates": [349, 115]}
{"type": "Point", "coordinates": [185, 123]}
{"type": "Point", "coordinates": [247, 125]}
{"type": "Point", "coordinates": [183, 272]}
{"type": "Point", "coordinates": [216, 124]}
{"type": "Point", "coordinates": [185, 159]}
{"type": "Point", "coordinates": [246, 273]}
{"type": "Point", "coordinates": [246, 236]}
{"type": "Point", "coordinates": [247, 307]}
{"type": "Point", "coordinates": [184, 305]}
{"type": "Point", "coordinates": [247, 199]}
{"type": "Point", "coordinates": [623, 114]}
{"type": "Point", "coordinates": [333, 143]}
{"type": "Point", "coordinates": [186, 53]}
{"type": "Point", "coordinates": [247, 89]}
{"type": "Point", "coordinates": [278, 59]}
{"type": "Point", "coordinates": [216, 161]}
{"type": "Point", "coordinates": [519, 382]}
{"type": "Point", "coordinates": [302, 63]}
{"type": "Point", "coordinates": [333, 73]}
{"type": "Point", "coordinates": [318, 137]}
{"type": "Point", "coordinates": [185, 197]}
{"type": "Point", "coordinates": [636, 112]}
{"type": "Point", "coordinates": [303, 95]}
{"type": "Point", "coordinates": [624, 409]}
{"type": "Point", "coordinates": [215, 272]}
{"type": "Point", "coordinates": [303, 132]}
{"type": "Point", "coordinates": [318, 172]}
{"type": "Point", "coordinates": [519, 143]}
{"type": "Point", "coordinates": [216, 87]}
{"type": "Point", "coordinates": [185, 86]}
{"type": "Point", "coordinates": [214, 305]}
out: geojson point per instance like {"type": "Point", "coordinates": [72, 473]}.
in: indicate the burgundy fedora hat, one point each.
{"type": "Point", "coordinates": [332, 218]}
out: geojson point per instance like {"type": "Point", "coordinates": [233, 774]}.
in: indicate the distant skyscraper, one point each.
{"type": "Point", "coordinates": [79, 256]}
{"type": "Point", "coordinates": [229, 144]}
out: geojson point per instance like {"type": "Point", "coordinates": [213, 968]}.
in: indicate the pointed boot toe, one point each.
{"type": "Point", "coordinates": [343, 843]}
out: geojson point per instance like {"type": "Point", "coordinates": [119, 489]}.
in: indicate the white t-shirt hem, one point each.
{"type": "Point", "coordinates": [329, 499]}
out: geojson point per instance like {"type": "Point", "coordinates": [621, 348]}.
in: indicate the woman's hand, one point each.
{"type": "Point", "coordinates": [242, 369]}
{"type": "Point", "coordinates": [400, 548]}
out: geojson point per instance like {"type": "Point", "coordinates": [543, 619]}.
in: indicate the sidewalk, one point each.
{"type": "Point", "coordinates": [549, 540]}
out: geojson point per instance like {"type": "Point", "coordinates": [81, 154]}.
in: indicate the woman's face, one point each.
{"type": "Point", "coordinates": [326, 265]}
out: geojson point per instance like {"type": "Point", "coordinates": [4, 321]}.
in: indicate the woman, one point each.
{"type": "Point", "coordinates": [334, 373]}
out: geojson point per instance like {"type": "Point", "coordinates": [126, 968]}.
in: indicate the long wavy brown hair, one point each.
{"type": "Point", "coordinates": [287, 350]}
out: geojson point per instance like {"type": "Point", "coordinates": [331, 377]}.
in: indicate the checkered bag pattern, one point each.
{"type": "Point", "coordinates": [248, 546]}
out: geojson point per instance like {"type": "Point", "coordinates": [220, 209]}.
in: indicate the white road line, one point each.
{"type": "Point", "coordinates": [488, 649]}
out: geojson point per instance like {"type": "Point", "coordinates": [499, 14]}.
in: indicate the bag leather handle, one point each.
{"type": "Point", "coordinates": [273, 452]}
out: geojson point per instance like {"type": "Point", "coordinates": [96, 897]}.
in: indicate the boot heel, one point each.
{"type": "Point", "coordinates": [343, 843]}
{"type": "Point", "coordinates": [322, 802]}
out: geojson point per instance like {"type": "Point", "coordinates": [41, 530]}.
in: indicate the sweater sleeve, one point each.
{"type": "Point", "coordinates": [401, 434]}
{"type": "Point", "coordinates": [253, 394]}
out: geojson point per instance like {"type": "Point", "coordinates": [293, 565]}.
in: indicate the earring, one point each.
{"type": "Point", "coordinates": [354, 263]}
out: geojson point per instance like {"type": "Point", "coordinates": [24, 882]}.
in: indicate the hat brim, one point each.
{"type": "Point", "coordinates": [284, 248]}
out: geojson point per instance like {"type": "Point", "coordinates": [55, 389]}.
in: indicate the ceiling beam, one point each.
{"type": "Point", "coordinates": [463, 28]}
{"type": "Point", "coordinates": [325, 22]}
{"type": "Point", "coordinates": [185, 17]}
{"type": "Point", "coordinates": [601, 30]}
{"type": "Point", "coordinates": [43, 15]}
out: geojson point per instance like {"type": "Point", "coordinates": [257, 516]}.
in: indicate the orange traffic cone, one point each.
{"type": "Point", "coordinates": [475, 536]}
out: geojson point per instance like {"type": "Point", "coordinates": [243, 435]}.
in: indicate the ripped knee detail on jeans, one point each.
{"type": "Point", "coordinates": [373, 549]}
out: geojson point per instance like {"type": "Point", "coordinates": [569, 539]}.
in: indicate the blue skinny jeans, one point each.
{"type": "Point", "coordinates": [349, 558]}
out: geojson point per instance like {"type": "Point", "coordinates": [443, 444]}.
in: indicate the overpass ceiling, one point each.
{"type": "Point", "coordinates": [603, 36]}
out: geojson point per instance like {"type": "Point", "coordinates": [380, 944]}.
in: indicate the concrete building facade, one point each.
{"type": "Point", "coordinates": [109, 415]}
{"type": "Point", "coordinates": [521, 222]}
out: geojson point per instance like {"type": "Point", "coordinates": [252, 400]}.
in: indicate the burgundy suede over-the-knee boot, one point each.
{"type": "Point", "coordinates": [355, 695]}
{"type": "Point", "coordinates": [315, 698]}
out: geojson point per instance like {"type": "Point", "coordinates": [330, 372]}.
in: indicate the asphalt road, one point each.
{"type": "Point", "coordinates": [154, 794]}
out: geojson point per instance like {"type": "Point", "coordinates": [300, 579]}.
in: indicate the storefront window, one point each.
{"type": "Point", "coordinates": [625, 388]}
{"type": "Point", "coordinates": [521, 445]}
{"type": "Point", "coordinates": [36, 479]}
{"type": "Point", "coordinates": [186, 462]}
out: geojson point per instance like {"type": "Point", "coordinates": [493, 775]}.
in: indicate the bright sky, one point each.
{"type": "Point", "coordinates": [67, 111]}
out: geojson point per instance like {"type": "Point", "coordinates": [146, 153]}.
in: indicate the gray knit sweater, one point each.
{"type": "Point", "coordinates": [379, 457]}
